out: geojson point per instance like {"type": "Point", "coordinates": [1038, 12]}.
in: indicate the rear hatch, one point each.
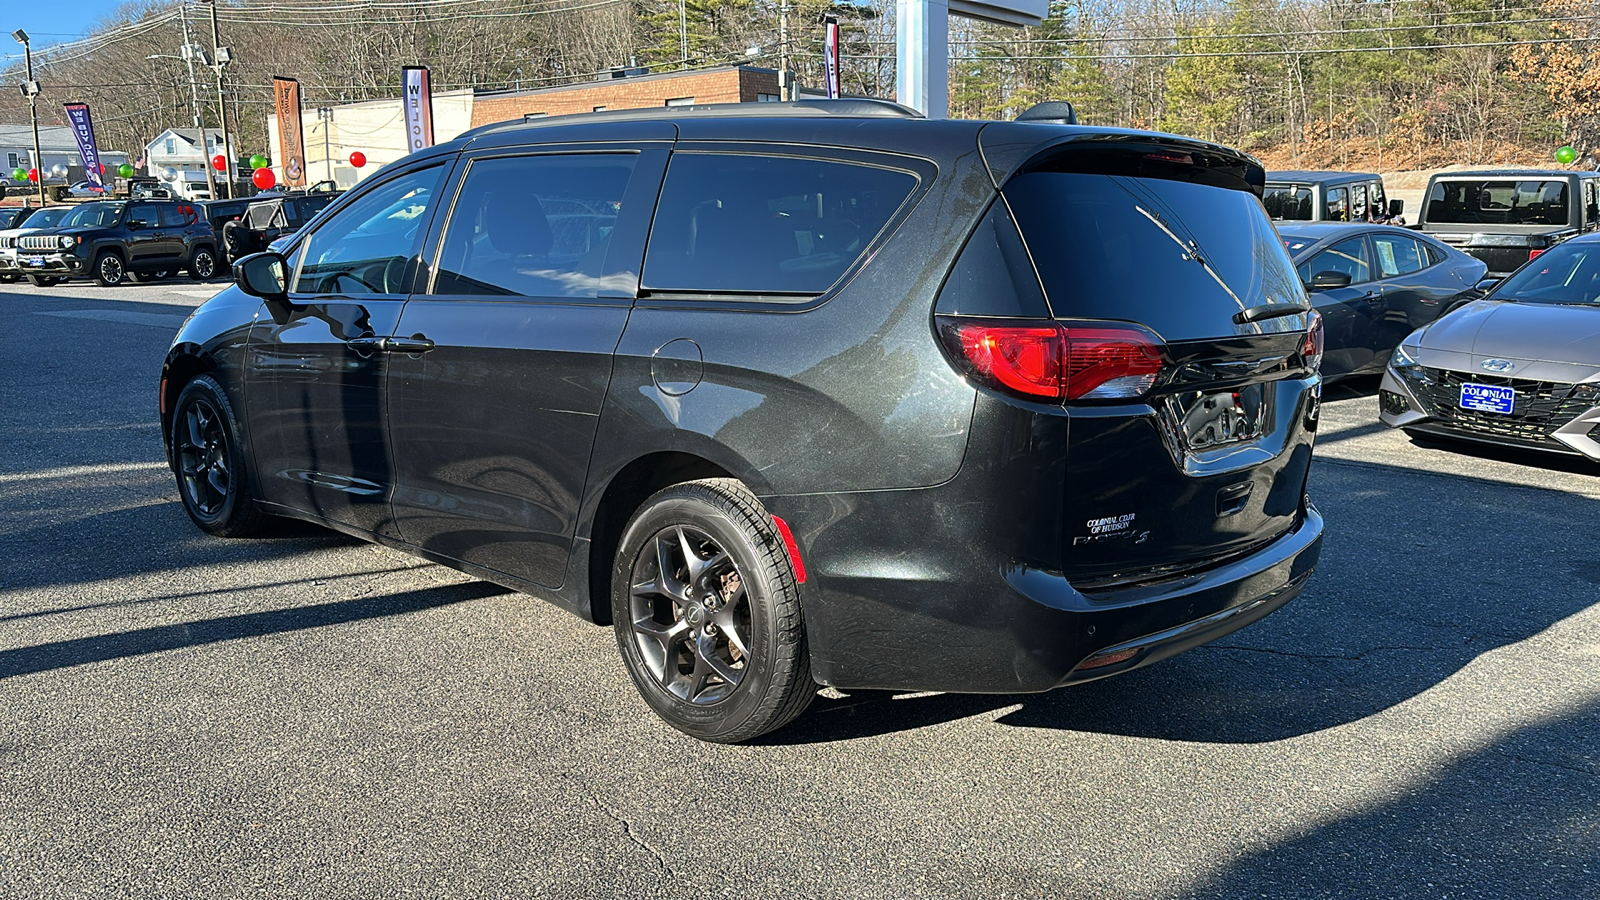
{"type": "Point", "coordinates": [1203, 456]}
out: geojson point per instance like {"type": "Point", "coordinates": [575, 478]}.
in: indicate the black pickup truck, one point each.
{"type": "Point", "coordinates": [109, 240]}
{"type": "Point", "coordinates": [1506, 217]}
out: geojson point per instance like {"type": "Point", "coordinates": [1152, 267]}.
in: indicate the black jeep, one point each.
{"type": "Point", "coordinates": [112, 239]}
{"type": "Point", "coordinates": [1506, 217]}
{"type": "Point", "coordinates": [269, 218]}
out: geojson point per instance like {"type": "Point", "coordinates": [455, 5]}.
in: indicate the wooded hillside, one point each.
{"type": "Point", "coordinates": [1389, 84]}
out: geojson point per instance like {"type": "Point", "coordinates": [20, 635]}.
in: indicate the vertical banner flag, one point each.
{"type": "Point", "coordinates": [83, 130]}
{"type": "Point", "coordinates": [830, 56]}
{"type": "Point", "coordinates": [418, 91]}
{"type": "Point", "coordinates": [291, 137]}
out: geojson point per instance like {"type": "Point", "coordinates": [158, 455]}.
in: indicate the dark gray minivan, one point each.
{"type": "Point", "coordinates": [791, 394]}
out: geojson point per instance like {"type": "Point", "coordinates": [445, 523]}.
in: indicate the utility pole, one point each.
{"type": "Point", "coordinates": [30, 89]}
{"type": "Point", "coordinates": [194, 94]}
{"type": "Point", "coordinates": [325, 116]}
{"type": "Point", "coordinates": [220, 57]}
{"type": "Point", "coordinates": [683, 35]}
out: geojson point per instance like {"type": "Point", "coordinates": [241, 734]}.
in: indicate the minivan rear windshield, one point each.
{"type": "Point", "coordinates": [1288, 201]}
{"type": "Point", "coordinates": [1497, 202]}
{"type": "Point", "coordinates": [1177, 257]}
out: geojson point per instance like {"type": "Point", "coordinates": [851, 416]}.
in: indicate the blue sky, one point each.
{"type": "Point", "coordinates": [49, 21]}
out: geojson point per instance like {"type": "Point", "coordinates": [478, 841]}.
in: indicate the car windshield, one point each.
{"type": "Point", "coordinates": [1288, 201]}
{"type": "Point", "coordinates": [1497, 202]}
{"type": "Point", "coordinates": [46, 218]}
{"type": "Point", "coordinates": [94, 215]}
{"type": "Point", "coordinates": [1567, 275]}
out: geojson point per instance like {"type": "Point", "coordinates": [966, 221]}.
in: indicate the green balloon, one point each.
{"type": "Point", "coordinates": [19, 174]}
{"type": "Point", "coordinates": [259, 161]}
{"type": "Point", "coordinates": [1565, 155]}
{"type": "Point", "coordinates": [125, 170]}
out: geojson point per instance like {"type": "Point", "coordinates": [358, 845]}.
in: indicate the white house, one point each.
{"type": "Point", "coordinates": [180, 149]}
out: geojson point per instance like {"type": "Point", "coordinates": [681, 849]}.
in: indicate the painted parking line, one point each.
{"type": "Point", "coordinates": [121, 316]}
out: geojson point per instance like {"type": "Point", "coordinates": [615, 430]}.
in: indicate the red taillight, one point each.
{"type": "Point", "coordinates": [1534, 253]}
{"type": "Point", "coordinates": [1315, 340]}
{"type": "Point", "coordinates": [1055, 362]}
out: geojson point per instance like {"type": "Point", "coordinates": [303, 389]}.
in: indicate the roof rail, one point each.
{"type": "Point", "coordinates": [855, 107]}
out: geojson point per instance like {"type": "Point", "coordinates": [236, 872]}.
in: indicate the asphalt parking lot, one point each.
{"type": "Point", "coordinates": [310, 716]}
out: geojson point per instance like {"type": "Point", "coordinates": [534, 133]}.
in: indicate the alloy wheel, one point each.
{"type": "Point", "coordinates": [111, 270]}
{"type": "Point", "coordinates": [690, 615]}
{"type": "Point", "coordinates": [203, 462]}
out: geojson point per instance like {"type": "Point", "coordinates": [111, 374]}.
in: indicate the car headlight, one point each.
{"type": "Point", "coordinates": [1403, 358]}
{"type": "Point", "coordinates": [67, 240]}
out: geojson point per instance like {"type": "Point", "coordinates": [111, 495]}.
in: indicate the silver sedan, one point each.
{"type": "Point", "coordinates": [1520, 367]}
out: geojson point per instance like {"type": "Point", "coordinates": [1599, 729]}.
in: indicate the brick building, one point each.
{"type": "Point", "coordinates": [729, 84]}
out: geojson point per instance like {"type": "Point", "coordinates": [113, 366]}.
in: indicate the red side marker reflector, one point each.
{"type": "Point", "coordinates": [792, 548]}
{"type": "Point", "coordinates": [161, 396]}
{"type": "Point", "coordinates": [1109, 659]}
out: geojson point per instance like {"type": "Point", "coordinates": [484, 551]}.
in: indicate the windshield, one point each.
{"type": "Point", "coordinates": [1288, 201]}
{"type": "Point", "coordinates": [1178, 257]}
{"type": "Point", "coordinates": [1567, 275]}
{"type": "Point", "coordinates": [1497, 202]}
{"type": "Point", "coordinates": [94, 215]}
{"type": "Point", "coordinates": [45, 218]}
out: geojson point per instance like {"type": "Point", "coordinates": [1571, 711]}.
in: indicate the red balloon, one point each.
{"type": "Point", "coordinates": [358, 159]}
{"type": "Point", "coordinates": [219, 162]}
{"type": "Point", "coordinates": [33, 174]}
{"type": "Point", "coordinates": [264, 179]}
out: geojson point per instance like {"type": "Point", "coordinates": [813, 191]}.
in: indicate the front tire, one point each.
{"type": "Point", "coordinates": [209, 462]}
{"type": "Point", "coordinates": [109, 269]}
{"type": "Point", "coordinates": [202, 264]}
{"type": "Point", "coordinates": [707, 613]}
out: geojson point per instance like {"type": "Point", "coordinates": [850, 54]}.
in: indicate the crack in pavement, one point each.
{"type": "Point", "coordinates": [1545, 762]}
{"type": "Point", "coordinates": [1342, 657]}
{"type": "Point", "coordinates": [627, 828]}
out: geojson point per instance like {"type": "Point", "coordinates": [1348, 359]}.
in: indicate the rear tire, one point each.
{"type": "Point", "coordinates": [209, 461]}
{"type": "Point", "coordinates": [707, 613]}
{"type": "Point", "coordinates": [202, 264]}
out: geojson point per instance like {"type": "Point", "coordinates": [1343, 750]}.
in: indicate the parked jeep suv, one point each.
{"type": "Point", "coordinates": [1306, 196]}
{"type": "Point", "coordinates": [111, 239]}
{"type": "Point", "coordinates": [789, 394]}
{"type": "Point", "coordinates": [1506, 217]}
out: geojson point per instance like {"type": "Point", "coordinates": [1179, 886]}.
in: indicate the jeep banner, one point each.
{"type": "Point", "coordinates": [291, 138]}
{"type": "Point", "coordinates": [418, 90]}
{"type": "Point", "coordinates": [83, 130]}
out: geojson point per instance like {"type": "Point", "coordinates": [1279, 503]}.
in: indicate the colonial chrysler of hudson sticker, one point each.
{"type": "Point", "coordinates": [1111, 528]}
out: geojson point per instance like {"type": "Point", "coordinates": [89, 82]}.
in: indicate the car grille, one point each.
{"type": "Point", "coordinates": [1540, 408]}
{"type": "Point", "coordinates": [7, 242]}
{"type": "Point", "coordinates": [39, 242]}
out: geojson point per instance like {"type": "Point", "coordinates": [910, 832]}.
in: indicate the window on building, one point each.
{"type": "Point", "coordinates": [599, 109]}
{"type": "Point", "coordinates": [11, 161]}
{"type": "Point", "coordinates": [681, 101]}
{"type": "Point", "coordinates": [538, 115]}
{"type": "Point", "coordinates": [767, 98]}
{"type": "Point", "coordinates": [172, 146]}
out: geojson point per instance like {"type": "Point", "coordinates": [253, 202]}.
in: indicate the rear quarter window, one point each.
{"type": "Point", "coordinates": [766, 225]}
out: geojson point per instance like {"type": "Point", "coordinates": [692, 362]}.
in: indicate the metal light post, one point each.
{"type": "Point", "coordinates": [325, 116]}
{"type": "Point", "coordinates": [30, 89]}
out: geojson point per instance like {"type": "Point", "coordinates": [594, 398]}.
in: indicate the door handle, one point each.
{"type": "Point", "coordinates": [365, 344]}
{"type": "Point", "coordinates": [1371, 296]}
{"type": "Point", "coordinates": [414, 344]}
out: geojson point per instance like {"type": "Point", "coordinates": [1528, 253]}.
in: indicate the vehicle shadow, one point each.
{"type": "Point", "coordinates": [1352, 388]}
{"type": "Point", "coordinates": [1403, 598]}
{"type": "Point", "coordinates": [161, 638]}
{"type": "Point", "coordinates": [1556, 462]}
{"type": "Point", "coordinates": [1468, 831]}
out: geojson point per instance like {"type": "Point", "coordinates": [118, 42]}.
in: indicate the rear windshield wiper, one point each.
{"type": "Point", "coordinates": [1268, 311]}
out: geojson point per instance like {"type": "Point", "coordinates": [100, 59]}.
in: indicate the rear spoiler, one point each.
{"type": "Point", "coordinates": [1010, 149]}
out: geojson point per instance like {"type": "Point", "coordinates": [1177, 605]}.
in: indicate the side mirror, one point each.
{"type": "Point", "coordinates": [1327, 281]}
{"type": "Point", "coordinates": [1486, 285]}
{"type": "Point", "coordinates": [266, 275]}
{"type": "Point", "coordinates": [1396, 208]}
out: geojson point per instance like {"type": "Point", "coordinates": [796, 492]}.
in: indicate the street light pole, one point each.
{"type": "Point", "coordinates": [325, 116]}
{"type": "Point", "coordinates": [30, 89]}
{"type": "Point", "coordinates": [194, 93]}
{"type": "Point", "coordinates": [220, 57]}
